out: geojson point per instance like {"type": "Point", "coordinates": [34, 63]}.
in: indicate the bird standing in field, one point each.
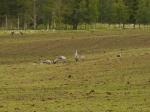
{"type": "Point", "coordinates": [76, 56]}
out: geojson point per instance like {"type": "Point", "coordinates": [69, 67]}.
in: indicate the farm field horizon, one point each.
{"type": "Point", "coordinates": [113, 77]}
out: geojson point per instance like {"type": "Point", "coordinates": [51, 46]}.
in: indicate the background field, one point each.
{"type": "Point", "coordinates": [103, 82]}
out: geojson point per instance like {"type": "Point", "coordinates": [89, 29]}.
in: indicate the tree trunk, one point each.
{"type": "Point", "coordinates": [34, 15]}
{"type": "Point", "coordinates": [25, 26]}
{"type": "Point", "coordinates": [95, 26]}
{"type": "Point", "coordinates": [109, 25]}
{"type": "Point", "coordinates": [139, 26]}
{"type": "Point", "coordinates": [134, 25]}
{"type": "Point", "coordinates": [75, 26]}
{"type": "Point", "coordinates": [123, 25]}
{"type": "Point", "coordinates": [18, 23]}
{"type": "Point", "coordinates": [47, 27]}
{"type": "Point", "coordinates": [54, 25]}
{"type": "Point", "coordinates": [85, 26]}
{"type": "Point", "coordinates": [119, 25]}
{"type": "Point", "coordinates": [6, 22]}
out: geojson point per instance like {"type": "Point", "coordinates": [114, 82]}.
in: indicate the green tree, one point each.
{"type": "Point", "coordinates": [132, 9]}
{"type": "Point", "coordinates": [80, 11]}
{"type": "Point", "coordinates": [120, 12]}
{"type": "Point", "coordinates": [143, 14]}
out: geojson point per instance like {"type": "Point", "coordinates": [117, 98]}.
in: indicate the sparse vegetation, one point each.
{"type": "Point", "coordinates": [114, 77]}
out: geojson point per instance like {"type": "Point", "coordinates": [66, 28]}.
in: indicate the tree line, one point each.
{"type": "Point", "coordinates": [64, 14]}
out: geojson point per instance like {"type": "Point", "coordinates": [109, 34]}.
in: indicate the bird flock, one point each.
{"type": "Point", "coordinates": [63, 59]}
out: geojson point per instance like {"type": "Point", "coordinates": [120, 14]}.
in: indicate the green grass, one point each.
{"type": "Point", "coordinates": [119, 84]}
